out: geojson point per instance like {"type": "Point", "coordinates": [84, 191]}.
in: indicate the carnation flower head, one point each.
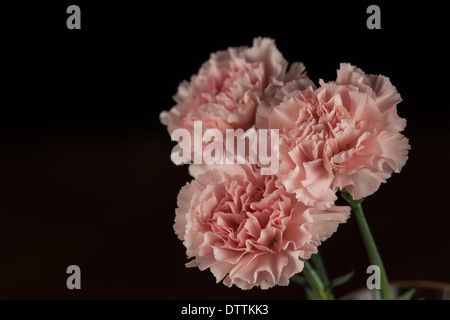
{"type": "Point", "coordinates": [227, 89]}
{"type": "Point", "coordinates": [344, 134]}
{"type": "Point", "coordinates": [247, 229]}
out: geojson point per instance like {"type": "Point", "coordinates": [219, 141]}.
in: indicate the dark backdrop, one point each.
{"type": "Point", "coordinates": [85, 173]}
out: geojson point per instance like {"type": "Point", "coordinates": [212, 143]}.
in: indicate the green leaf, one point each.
{"type": "Point", "coordinates": [315, 283]}
{"type": "Point", "coordinates": [297, 279]}
{"type": "Point", "coordinates": [320, 268]}
{"type": "Point", "coordinates": [341, 279]}
{"type": "Point", "coordinates": [312, 277]}
{"type": "Point", "coordinates": [309, 294]}
{"type": "Point", "coordinates": [407, 295]}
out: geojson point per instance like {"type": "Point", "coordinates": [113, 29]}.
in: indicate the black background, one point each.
{"type": "Point", "coordinates": [85, 173]}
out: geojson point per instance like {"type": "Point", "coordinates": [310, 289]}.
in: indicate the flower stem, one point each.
{"type": "Point", "coordinates": [319, 290]}
{"type": "Point", "coordinates": [369, 243]}
{"type": "Point", "coordinates": [322, 272]}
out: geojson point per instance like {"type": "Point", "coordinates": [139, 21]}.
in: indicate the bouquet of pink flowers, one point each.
{"type": "Point", "coordinates": [270, 152]}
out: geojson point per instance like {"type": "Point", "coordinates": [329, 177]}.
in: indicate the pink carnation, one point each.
{"type": "Point", "coordinates": [247, 229]}
{"type": "Point", "coordinates": [345, 134]}
{"type": "Point", "coordinates": [228, 87]}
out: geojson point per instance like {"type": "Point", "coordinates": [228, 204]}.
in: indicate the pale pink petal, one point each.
{"type": "Point", "coordinates": [318, 181]}
{"type": "Point", "coordinates": [344, 134]}
{"type": "Point", "coordinates": [226, 91]}
{"type": "Point", "coordinates": [246, 228]}
{"type": "Point", "coordinates": [365, 182]}
{"type": "Point", "coordinates": [327, 221]}
{"type": "Point", "coordinates": [394, 149]}
{"type": "Point", "coordinates": [385, 94]}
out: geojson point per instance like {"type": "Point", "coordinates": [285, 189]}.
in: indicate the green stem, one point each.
{"type": "Point", "coordinates": [369, 243]}
{"type": "Point", "coordinates": [322, 272]}
{"type": "Point", "coordinates": [318, 289]}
